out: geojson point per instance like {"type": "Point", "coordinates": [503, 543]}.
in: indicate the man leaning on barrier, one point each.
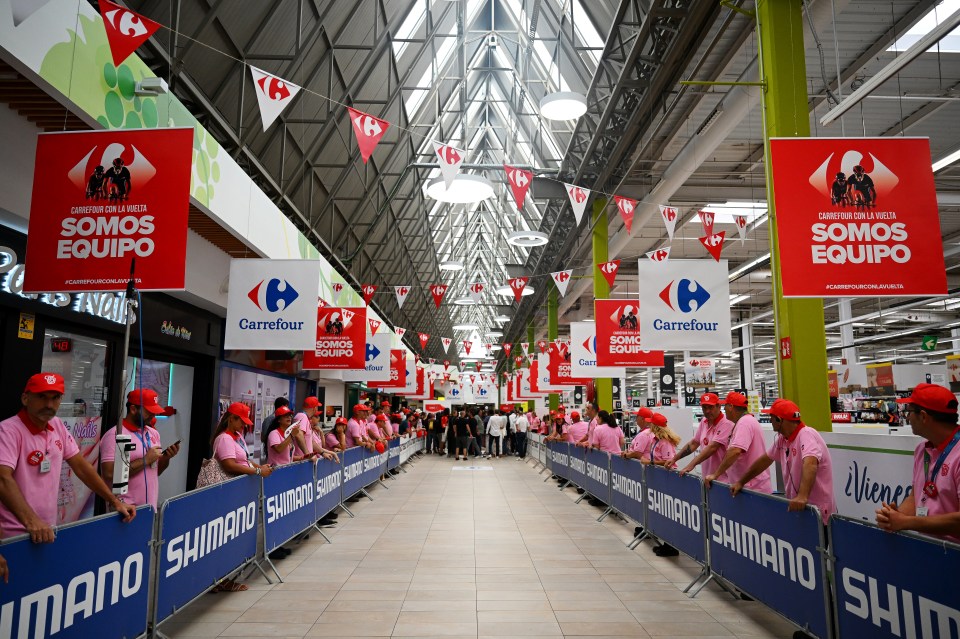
{"type": "Point", "coordinates": [34, 443]}
{"type": "Point", "coordinates": [934, 506]}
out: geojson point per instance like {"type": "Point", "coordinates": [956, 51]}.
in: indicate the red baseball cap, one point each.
{"type": "Point", "coordinates": [575, 416]}
{"type": "Point", "coordinates": [359, 407]}
{"type": "Point", "coordinates": [380, 418]}
{"type": "Point", "coordinates": [932, 397]}
{"type": "Point", "coordinates": [283, 410]}
{"type": "Point", "coordinates": [44, 383]}
{"type": "Point", "coordinates": [709, 399]}
{"type": "Point", "coordinates": [311, 402]}
{"type": "Point", "coordinates": [384, 403]}
{"type": "Point", "coordinates": [645, 413]}
{"type": "Point", "coordinates": [658, 419]}
{"type": "Point", "coordinates": [340, 420]}
{"type": "Point", "coordinates": [784, 409]}
{"type": "Point", "coordinates": [242, 411]}
{"type": "Point", "coordinates": [146, 398]}
{"type": "Point", "coordinates": [735, 399]}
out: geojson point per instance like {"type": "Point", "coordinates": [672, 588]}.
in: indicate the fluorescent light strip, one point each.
{"type": "Point", "coordinates": [946, 160]}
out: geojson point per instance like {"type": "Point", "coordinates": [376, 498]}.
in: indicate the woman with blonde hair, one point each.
{"type": "Point", "coordinates": [665, 441]}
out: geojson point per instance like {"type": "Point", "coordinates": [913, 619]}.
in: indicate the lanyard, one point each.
{"type": "Point", "coordinates": [936, 468]}
{"type": "Point", "coordinates": [243, 444]}
{"type": "Point", "coordinates": [653, 449]}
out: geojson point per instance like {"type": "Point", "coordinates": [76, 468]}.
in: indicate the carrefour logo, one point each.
{"type": "Point", "coordinates": [686, 296]}
{"type": "Point", "coordinates": [590, 344]}
{"type": "Point", "coordinates": [273, 297]}
{"type": "Point", "coordinates": [372, 352]}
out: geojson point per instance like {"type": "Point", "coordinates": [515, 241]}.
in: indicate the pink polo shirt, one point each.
{"type": "Point", "coordinates": [748, 437]}
{"type": "Point", "coordinates": [576, 430]}
{"type": "Point", "coordinates": [719, 433]}
{"type": "Point", "coordinates": [591, 427]}
{"type": "Point", "coordinates": [301, 421]}
{"type": "Point", "coordinates": [607, 438]}
{"type": "Point", "coordinates": [642, 442]}
{"type": "Point", "coordinates": [947, 481]}
{"type": "Point", "coordinates": [354, 433]}
{"type": "Point", "coordinates": [373, 430]}
{"type": "Point", "coordinates": [806, 442]}
{"type": "Point", "coordinates": [19, 438]}
{"type": "Point", "coordinates": [663, 450]}
{"type": "Point", "coordinates": [331, 441]}
{"type": "Point", "coordinates": [143, 487]}
{"type": "Point", "coordinates": [227, 446]}
{"type": "Point", "coordinates": [273, 457]}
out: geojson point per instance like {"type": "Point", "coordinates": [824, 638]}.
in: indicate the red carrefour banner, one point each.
{"type": "Point", "coordinates": [398, 371]}
{"type": "Point", "coordinates": [618, 335]}
{"type": "Point", "coordinates": [559, 366]}
{"type": "Point", "coordinates": [341, 339]}
{"type": "Point", "coordinates": [857, 217]}
{"type": "Point", "coordinates": [104, 198]}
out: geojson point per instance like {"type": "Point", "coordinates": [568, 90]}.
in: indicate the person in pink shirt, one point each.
{"type": "Point", "coordinates": [591, 414]}
{"type": "Point", "coordinates": [642, 441]}
{"type": "Point", "coordinates": [311, 407]}
{"type": "Point", "coordinates": [745, 445]}
{"type": "Point", "coordinates": [577, 428]}
{"type": "Point", "coordinates": [934, 506]}
{"type": "Point", "coordinates": [803, 455]}
{"type": "Point", "coordinates": [283, 439]}
{"type": "Point", "coordinates": [608, 436]}
{"type": "Point", "coordinates": [356, 434]}
{"type": "Point", "coordinates": [664, 444]}
{"type": "Point", "coordinates": [34, 443]}
{"type": "Point", "coordinates": [712, 435]}
{"type": "Point", "coordinates": [334, 440]}
{"type": "Point", "coordinates": [148, 459]}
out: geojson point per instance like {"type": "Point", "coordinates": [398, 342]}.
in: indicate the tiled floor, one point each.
{"type": "Point", "coordinates": [476, 553]}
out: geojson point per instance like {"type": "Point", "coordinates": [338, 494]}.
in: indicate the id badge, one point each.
{"type": "Point", "coordinates": [45, 466]}
{"type": "Point", "coordinates": [922, 511]}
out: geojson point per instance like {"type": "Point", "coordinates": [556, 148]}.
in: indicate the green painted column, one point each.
{"type": "Point", "coordinates": [532, 343]}
{"type": "Point", "coordinates": [553, 321]}
{"type": "Point", "coordinates": [601, 289]}
{"type": "Point", "coordinates": [803, 377]}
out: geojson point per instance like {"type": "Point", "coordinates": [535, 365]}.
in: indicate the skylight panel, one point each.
{"type": "Point", "coordinates": [926, 24]}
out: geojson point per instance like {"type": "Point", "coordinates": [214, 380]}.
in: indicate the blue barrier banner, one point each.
{"type": "Point", "coordinates": [374, 465]}
{"type": "Point", "coordinates": [577, 471]}
{"type": "Point", "coordinates": [675, 510]}
{"type": "Point", "coordinates": [288, 503]}
{"type": "Point", "coordinates": [626, 487]}
{"type": "Point", "coordinates": [93, 581]}
{"type": "Point", "coordinates": [394, 454]}
{"type": "Point", "coordinates": [206, 534]}
{"type": "Point", "coordinates": [893, 585]}
{"type": "Point", "coordinates": [329, 477]}
{"type": "Point", "coordinates": [770, 553]}
{"type": "Point", "coordinates": [596, 478]}
{"type": "Point", "coordinates": [560, 459]}
{"type": "Point", "coordinates": [352, 460]}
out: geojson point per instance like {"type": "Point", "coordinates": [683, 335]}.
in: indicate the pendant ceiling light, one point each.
{"type": "Point", "coordinates": [563, 105]}
{"type": "Point", "coordinates": [464, 301]}
{"type": "Point", "coordinates": [450, 265]}
{"type": "Point", "coordinates": [465, 189]}
{"type": "Point", "coordinates": [465, 327]}
{"type": "Point", "coordinates": [527, 238]}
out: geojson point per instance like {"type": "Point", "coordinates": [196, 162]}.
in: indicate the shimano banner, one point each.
{"type": "Point", "coordinates": [675, 510]}
{"type": "Point", "coordinates": [597, 474]}
{"type": "Point", "coordinates": [329, 477]}
{"type": "Point", "coordinates": [577, 465]}
{"type": "Point", "coordinates": [770, 553]}
{"type": "Point", "coordinates": [288, 503]}
{"type": "Point", "coordinates": [893, 585]}
{"type": "Point", "coordinates": [207, 534]}
{"type": "Point", "coordinates": [353, 479]}
{"type": "Point", "coordinates": [626, 487]}
{"type": "Point", "coordinates": [393, 454]}
{"type": "Point", "coordinates": [558, 459]}
{"type": "Point", "coordinates": [53, 587]}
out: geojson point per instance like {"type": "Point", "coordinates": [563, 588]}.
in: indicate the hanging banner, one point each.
{"type": "Point", "coordinates": [714, 244]}
{"type": "Point", "coordinates": [669, 216]}
{"type": "Point", "coordinates": [618, 335]}
{"type": "Point", "coordinates": [270, 304]}
{"type": "Point", "coordinates": [609, 271]}
{"type": "Point", "coordinates": [660, 255]}
{"type": "Point", "coordinates": [126, 30]}
{"type": "Point", "coordinates": [583, 355]}
{"type": "Point", "coordinates": [369, 131]}
{"type": "Point", "coordinates": [424, 338]}
{"type": "Point", "coordinates": [685, 305]}
{"type": "Point", "coordinates": [273, 95]}
{"type": "Point", "coordinates": [376, 366]}
{"type": "Point", "coordinates": [508, 346]}
{"type": "Point", "coordinates": [706, 219]}
{"type": "Point", "coordinates": [416, 380]}
{"type": "Point", "coordinates": [337, 289]}
{"type": "Point", "coordinates": [401, 293]}
{"type": "Point", "coordinates": [438, 291]}
{"type": "Point", "coordinates": [368, 290]}
{"type": "Point", "coordinates": [475, 291]}
{"type": "Point", "coordinates": [578, 200]}
{"type": "Point", "coordinates": [446, 341]}
{"type": "Point", "coordinates": [626, 206]}
{"type": "Point", "coordinates": [741, 223]}
{"type": "Point", "coordinates": [857, 217]}
{"type": "Point", "coordinates": [557, 366]}
{"type": "Point", "coordinates": [104, 202]}
{"type": "Point", "coordinates": [880, 380]}
{"type": "Point", "coordinates": [562, 280]}
{"type": "Point", "coordinates": [450, 160]}
{"type": "Point", "coordinates": [374, 325]}
{"type": "Point", "coordinates": [517, 284]}
{"type": "Point", "coordinates": [700, 372]}
{"type": "Point", "coordinates": [519, 181]}
{"type": "Point", "coordinates": [542, 345]}
{"type": "Point", "coordinates": [341, 339]}
{"type": "Point", "coordinates": [398, 372]}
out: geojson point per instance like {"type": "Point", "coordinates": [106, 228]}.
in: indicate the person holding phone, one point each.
{"type": "Point", "coordinates": [282, 439]}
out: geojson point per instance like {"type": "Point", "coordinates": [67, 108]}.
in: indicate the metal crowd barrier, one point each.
{"type": "Point", "coordinates": [104, 578]}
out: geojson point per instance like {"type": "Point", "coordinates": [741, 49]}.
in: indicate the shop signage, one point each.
{"type": "Point", "coordinates": [857, 217]}
{"type": "Point", "coordinates": [618, 335]}
{"type": "Point", "coordinates": [25, 328]}
{"type": "Point", "coordinates": [341, 339]}
{"type": "Point", "coordinates": [583, 354]}
{"type": "Point", "coordinates": [175, 330]}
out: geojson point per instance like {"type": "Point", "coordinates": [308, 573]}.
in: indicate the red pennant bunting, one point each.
{"type": "Point", "coordinates": [478, 370]}
{"type": "Point", "coordinates": [714, 244]}
{"type": "Point", "coordinates": [369, 131]}
{"type": "Point", "coordinates": [519, 180]}
{"type": "Point", "coordinates": [626, 206]}
{"type": "Point", "coordinates": [438, 291]}
{"type": "Point", "coordinates": [322, 303]}
{"type": "Point", "coordinates": [609, 270]}
{"type": "Point", "coordinates": [450, 161]}
{"type": "Point", "coordinates": [507, 347]}
{"type": "Point", "coordinates": [524, 347]}
{"type": "Point", "coordinates": [432, 362]}
{"type": "Point", "coordinates": [741, 222]}
{"type": "Point", "coordinates": [368, 290]}
{"type": "Point", "coordinates": [446, 364]}
{"type": "Point", "coordinates": [517, 284]}
{"type": "Point", "coordinates": [669, 215]}
{"type": "Point", "coordinates": [337, 289]}
{"type": "Point", "coordinates": [274, 94]}
{"type": "Point", "coordinates": [424, 338]}
{"type": "Point", "coordinates": [126, 30]}
{"type": "Point", "coordinates": [542, 345]}
{"type": "Point", "coordinates": [446, 343]}
{"type": "Point", "coordinates": [706, 218]}
{"type": "Point", "coordinates": [473, 378]}
{"type": "Point", "coordinates": [518, 360]}
{"type": "Point", "coordinates": [401, 332]}
{"type": "Point", "coordinates": [466, 346]}
{"type": "Point", "coordinates": [374, 325]}
{"type": "Point", "coordinates": [660, 255]}
{"type": "Point", "coordinates": [476, 291]}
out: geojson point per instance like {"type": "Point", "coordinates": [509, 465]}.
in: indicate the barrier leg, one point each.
{"type": "Point", "coordinates": [322, 534]}
{"type": "Point", "coordinates": [347, 510]}
{"type": "Point", "coordinates": [581, 497]}
{"type": "Point", "coordinates": [605, 513]}
{"type": "Point", "coordinates": [565, 484]}
{"type": "Point", "coordinates": [704, 572]}
{"type": "Point", "coordinates": [366, 494]}
{"type": "Point", "coordinates": [272, 567]}
{"type": "Point", "coordinates": [380, 481]}
{"type": "Point", "coordinates": [636, 540]}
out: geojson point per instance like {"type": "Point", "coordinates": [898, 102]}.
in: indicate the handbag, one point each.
{"type": "Point", "coordinates": [211, 472]}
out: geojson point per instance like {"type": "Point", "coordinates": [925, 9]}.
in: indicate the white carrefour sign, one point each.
{"type": "Point", "coordinates": [377, 361]}
{"type": "Point", "coordinates": [583, 354]}
{"type": "Point", "coordinates": [272, 304]}
{"type": "Point", "coordinates": [685, 305]}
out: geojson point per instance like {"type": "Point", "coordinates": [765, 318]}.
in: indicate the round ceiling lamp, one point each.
{"type": "Point", "coordinates": [527, 239]}
{"type": "Point", "coordinates": [563, 105]}
{"type": "Point", "coordinates": [506, 291]}
{"type": "Point", "coordinates": [501, 318]}
{"type": "Point", "coordinates": [493, 334]}
{"type": "Point", "coordinates": [450, 265]}
{"type": "Point", "coordinates": [466, 188]}
{"type": "Point", "coordinates": [465, 327]}
{"type": "Point", "coordinates": [464, 301]}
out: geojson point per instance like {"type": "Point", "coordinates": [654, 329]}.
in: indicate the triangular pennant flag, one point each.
{"type": "Point", "coordinates": [626, 206]}
{"type": "Point", "coordinates": [467, 344]}
{"type": "Point", "coordinates": [401, 332]}
{"type": "Point", "coordinates": [660, 255]}
{"type": "Point", "coordinates": [706, 218]}
{"type": "Point", "coordinates": [322, 303]}
{"type": "Point", "coordinates": [517, 284]}
{"type": "Point", "coordinates": [487, 347]}
{"type": "Point", "coordinates": [438, 291]}
{"type": "Point", "coordinates": [473, 378]}
{"type": "Point", "coordinates": [507, 347]}
{"type": "Point", "coordinates": [524, 347]}
{"type": "Point", "coordinates": [402, 292]}
{"type": "Point", "coordinates": [714, 244]}
{"type": "Point", "coordinates": [483, 377]}
{"type": "Point", "coordinates": [368, 290]}
{"type": "Point", "coordinates": [374, 325]}
{"type": "Point", "coordinates": [741, 222]}
{"type": "Point", "coordinates": [562, 280]}
{"type": "Point", "coordinates": [542, 345]}
{"type": "Point", "coordinates": [446, 343]}
{"type": "Point", "coordinates": [273, 95]}
{"type": "Point", "coordinates": [446, 377]}
{"type": "Point", "coordinates": [446, 364]}
{"type": "Point", "coordinates": [518, 360]}
{"type": "Point", "coordinates": [416, 358]}
{"type": "Point", "coordinates": [432, 362]}
{"type": "Point", "coordinates": [578, 200]}
{"type": "Point", "coordinates": [450, 159]}
{"type": "Point", "coordinates": [424, 338]}
{"type": "Point", "coordinates": [337, 289]}
{"type": "Point", "coordinates": [609, 270]}
{"type": "Point", "coordinates": [669, 215]}
{"type": "Point", "coordinates": [476, 291]}
{"type": "Point", "coordinates": [369, 131]}
{"type": "Point", "coordinates": [126, 30]}
{"type": "Point", "coordinates": [519, 181]}
{"type": "Point", "coordinates": [529, 358]}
